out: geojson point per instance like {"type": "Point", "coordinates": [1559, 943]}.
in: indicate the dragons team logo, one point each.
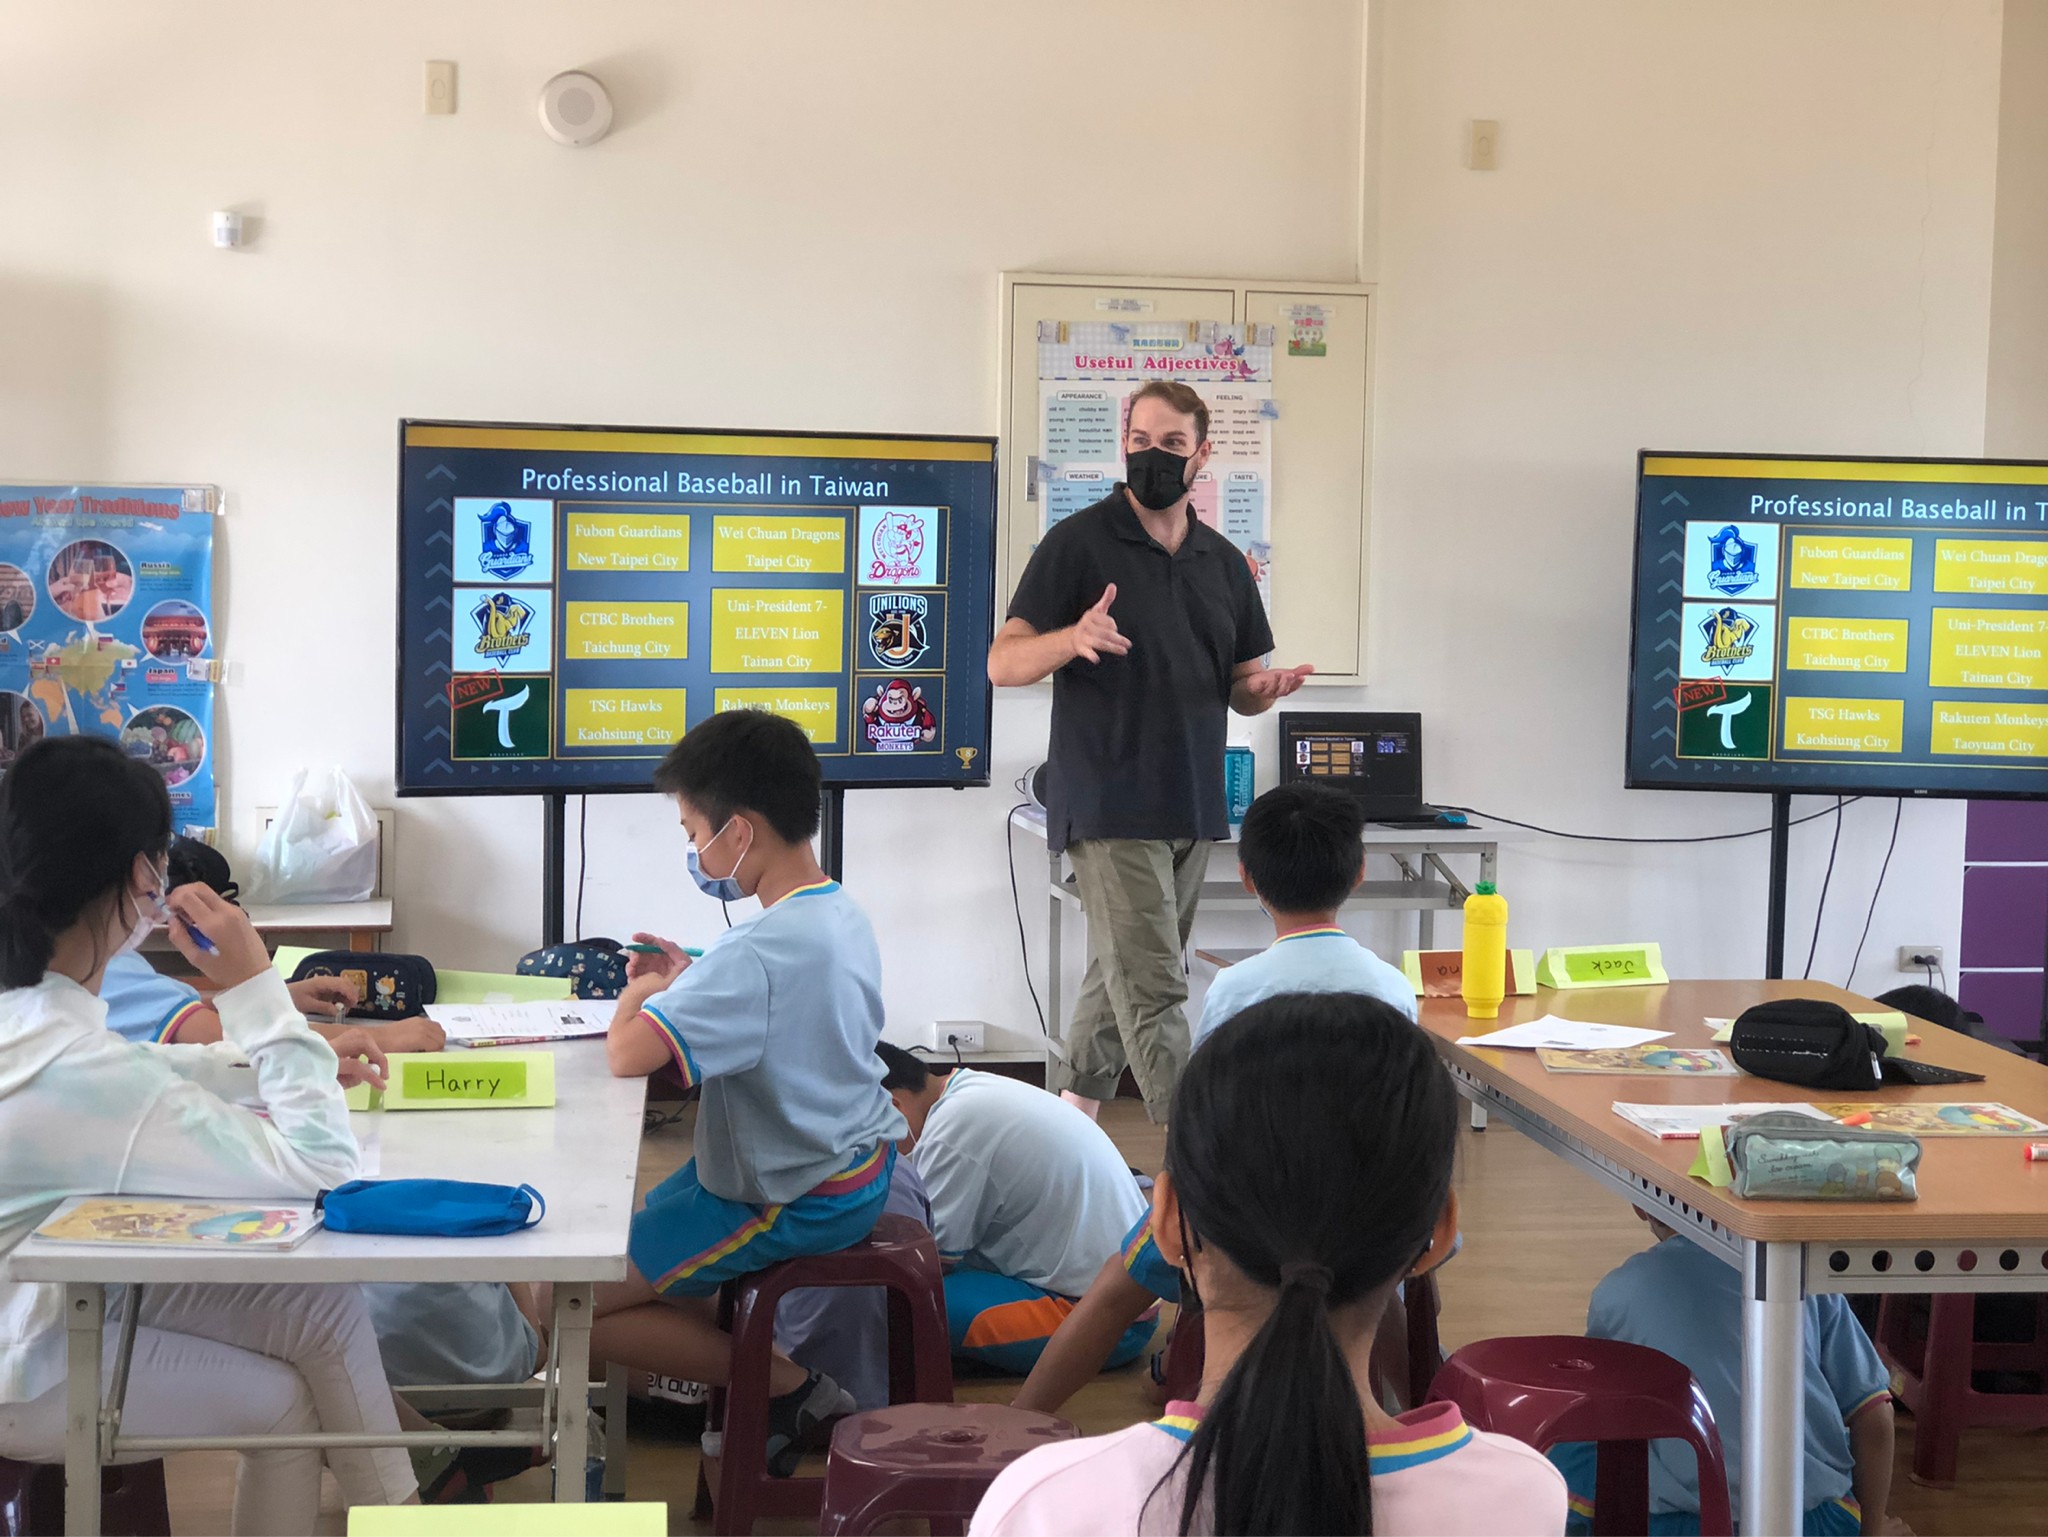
{"type": "Point", "coordinates": [897, 631]}
{"type": "Point", "coordinates": [896, 548]}
{"type": "Point", "coordinates": [1728, 635]}
{"type": "Point", "coordinates": [1731, 561]}
{"type": "Point", "coordinates": [895, 718]}
{"type": "Point", "coordinates": [507, 542]}
{"type": "Point", "coordinates": [504, 626]}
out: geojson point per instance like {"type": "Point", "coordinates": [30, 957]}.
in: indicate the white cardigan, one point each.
{"type": "Point", "coordinates": [83, 1112]}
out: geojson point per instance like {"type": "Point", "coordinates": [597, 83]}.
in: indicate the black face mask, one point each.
{"type": "Point", "coordinates": [1157, 477]}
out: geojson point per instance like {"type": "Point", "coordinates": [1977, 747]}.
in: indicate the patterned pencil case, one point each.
{"type": "Point", "coordinates": [1788, 1157]}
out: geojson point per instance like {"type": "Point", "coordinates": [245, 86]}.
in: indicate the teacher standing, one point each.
{"type": "Point", "coordinates": [1149, 623]}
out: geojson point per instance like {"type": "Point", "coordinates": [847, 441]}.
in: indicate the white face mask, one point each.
{"type": "Point", "coordinates": [149, 912]}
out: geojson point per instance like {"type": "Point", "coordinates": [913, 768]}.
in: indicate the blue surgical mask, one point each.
{"type": "Point", "coordinates": [726, 888]}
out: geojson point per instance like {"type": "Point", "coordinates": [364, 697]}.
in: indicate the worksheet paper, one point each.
{"type": "Point", "coordinates": [571, 1019]}
{"type": "Point", "coordinates": [1563, 1035]}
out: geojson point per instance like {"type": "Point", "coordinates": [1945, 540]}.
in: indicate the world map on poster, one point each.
{"type": "Point", "coordinates": [106, 628]}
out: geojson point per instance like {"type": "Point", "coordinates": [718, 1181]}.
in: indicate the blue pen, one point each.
{"type": "Point", "coordinates": [205, 945]}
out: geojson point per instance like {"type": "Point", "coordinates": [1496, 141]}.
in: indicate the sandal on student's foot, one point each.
{"type": "Point", "coordinates": [798, 1420]}
{"type": "Point", "coordinates": [468, 1477]}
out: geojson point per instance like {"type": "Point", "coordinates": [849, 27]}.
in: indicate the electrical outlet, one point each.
{"type": "Point", "coordinates": [1919, 957]}
{"type": "Point", "coordinates": [961, 1035]}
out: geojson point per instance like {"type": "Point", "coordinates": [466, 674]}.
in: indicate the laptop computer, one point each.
{"type": "Point", "coordinates": [1375, 757]}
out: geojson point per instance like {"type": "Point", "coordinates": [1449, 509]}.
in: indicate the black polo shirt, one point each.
{"type": "Point", "coordinates": [1137, 740]}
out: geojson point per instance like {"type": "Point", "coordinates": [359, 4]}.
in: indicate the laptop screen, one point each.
{"type": "Point", "coordinates": [1375, 757]}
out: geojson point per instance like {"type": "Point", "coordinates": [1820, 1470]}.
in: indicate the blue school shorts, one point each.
{"type": "Point", "coordinates": [1144, 1264]}
{"type": "Point", "coordinates": [1003, 1322]}
{"type": "Point", "coordinates": [689, 1242]}
{"type": "Point", "coordinates": [1579, 1462]}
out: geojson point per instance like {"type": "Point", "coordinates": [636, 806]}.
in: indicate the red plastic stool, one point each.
{"type": "Point", "coordinates": [1550, 1388]}
{"type": "Point", "coordinates": [132, 1499]}
{"type": "Point", "coordinates": [1931, 1373]}
{"type": "Point", "coordinates": [898, 1255]}
{"type": "Point", "coordinates": [930, 1460]}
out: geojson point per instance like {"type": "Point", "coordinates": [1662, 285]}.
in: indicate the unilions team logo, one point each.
{"type": "Point", "coordinates": [895, 718]}
{"type": "Point", "coordinates": [896, 549]}
{"type": "Point", "coordinates": [1731, 561]}
{"type": "Point", "coordinates": [507, 542]}
{"type": "Point", "coordinates": [897, 632]}
{"type": "Point", "coordinates": [504, 626]}
{"type": "Point", "coordinates": [1727, 633]}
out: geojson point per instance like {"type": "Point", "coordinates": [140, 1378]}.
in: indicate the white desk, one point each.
{"type": "Point", "coordinates": [1425, 886]}
{"type": "Point", "coordinates": [582, 1156]}
{"type": "Point", "coordinates": [363, 922]}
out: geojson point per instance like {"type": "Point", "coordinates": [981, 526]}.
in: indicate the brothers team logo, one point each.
{"type": "Point", "coordinates": [508, 542]}
{"type": "Point", "coordinates": [1727, 632]}
{"type": "Point", "coordinates": [897, 548]}
{"type": "Point", "coordinates": [504, 626]}
{"type": "Point", "coordinates": [897, 631]}
{"type": "Point", "coordinates": [1731, 563]}
{"type": "Point", "coordinates": [896, 718]}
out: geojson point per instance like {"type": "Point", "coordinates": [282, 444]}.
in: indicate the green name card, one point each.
{"type": "Point", "coordinates": [467, 1080]}
{"type": "Point", "coordinates": [1602, 966]}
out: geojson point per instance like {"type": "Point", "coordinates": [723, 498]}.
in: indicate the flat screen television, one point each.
{"type": "Point", "coordinates": [572, 599]}
{"type": "Point", "coordinates": [1856, 626]}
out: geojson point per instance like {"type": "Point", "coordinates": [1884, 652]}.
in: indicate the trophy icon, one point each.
{"type": "Point", "coordinates": [966, 755]}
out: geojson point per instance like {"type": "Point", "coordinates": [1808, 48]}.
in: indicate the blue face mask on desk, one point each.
{"type": "Point", "coordinates": [726, 888]}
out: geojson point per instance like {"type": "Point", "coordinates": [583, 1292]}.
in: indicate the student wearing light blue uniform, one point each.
{"type": "Point", "coordinates": [778, 1022]}
{"type": "Point", "coordinates": [1678, 1298]}
{"type": "Point", "coordinates": [1300, 855]}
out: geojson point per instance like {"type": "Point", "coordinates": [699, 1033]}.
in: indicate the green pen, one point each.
{"type": "Point", "coordinates": [690, 950]}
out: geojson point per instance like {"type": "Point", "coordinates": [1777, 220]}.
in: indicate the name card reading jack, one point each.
{"type": "Point", "coordinates": [471, 1080]}
{"type": "Point", "coordinates": [1602, 966]}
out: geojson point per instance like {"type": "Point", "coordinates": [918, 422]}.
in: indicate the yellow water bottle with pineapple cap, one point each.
{"type": "Point", "coordinates": [1485, 978]}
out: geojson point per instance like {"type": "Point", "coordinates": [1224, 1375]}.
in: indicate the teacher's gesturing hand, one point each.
{"type": "Point", "coordinates": [1095, 631]}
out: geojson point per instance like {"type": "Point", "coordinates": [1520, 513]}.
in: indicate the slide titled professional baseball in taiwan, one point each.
{"type": "Point", "coordinates": [1840, 624]}
{"type": "Point", "coordinates": [572, 600]}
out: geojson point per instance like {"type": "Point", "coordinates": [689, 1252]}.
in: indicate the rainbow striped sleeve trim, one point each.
{"type": "Point", "coordinates": [659, 1023]}
{"type": "Point", "coordinates": [1850, 1507]}
{"type": "Point", "coordinates": [1881, 1396]}
{"type": "Point", "coordinates": [1332, 932]}
{"type": "Point", "coordinates": [1581, 1507]}
{"type": "Point", "coordinates": [1396, 1456]}
{"type": "Point", "coordinates": [167, 1032]}
{"type": "Point", "coordinates": [815, 889]}
{"type": "Point", "coordinates": [1181, 1427]}
{"type": "Point", "coordinates": [732, 1242]}
{"type": "Point", "coordinates": [1134, 1246]}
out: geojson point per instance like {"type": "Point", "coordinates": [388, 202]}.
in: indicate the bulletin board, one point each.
{"type": "Point", "coordinates": [1286, 366]}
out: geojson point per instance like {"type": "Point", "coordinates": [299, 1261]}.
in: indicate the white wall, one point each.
{"type": "Point", "coordinates": [1740, 226]}
{"type": "Point", "coordinates": [1746, 226]}
{"type": "Point", "coordinates": [2016, 404]}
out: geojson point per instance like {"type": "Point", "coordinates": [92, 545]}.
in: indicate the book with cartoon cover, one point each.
{"type": "Point", "coordinates": [1698, 1061]}
{"type": "Point", "coordinates": [174, 1222]}
{"type": "Point", "coordinates": [1928, 1120]}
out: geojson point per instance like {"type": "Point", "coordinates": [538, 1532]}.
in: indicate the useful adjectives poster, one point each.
{"type": "Point", "coordinates": [106, 626]}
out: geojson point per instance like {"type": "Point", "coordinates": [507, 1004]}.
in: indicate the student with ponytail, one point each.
{"type": "Point", "coordinates": [84, 833]}
{"type": "Point", "coordinates": [1308, 1171]}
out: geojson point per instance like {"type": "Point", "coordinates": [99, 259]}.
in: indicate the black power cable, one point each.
{"type": "Point", "coordinates": [1017, 904]}
{"type": "Point", "coordinates": [1820, 910]}
{"type": "Point", "coordinates": [1552, 832]}
{"type": "Point", "coordinates": [1898, 810]}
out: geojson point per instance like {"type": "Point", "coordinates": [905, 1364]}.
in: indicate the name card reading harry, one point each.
{"type": "Point", "coordinates": [469, 1080]}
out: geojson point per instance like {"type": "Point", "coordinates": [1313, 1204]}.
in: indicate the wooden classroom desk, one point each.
{"type": "Point", "coordinates": [1980, 1224]}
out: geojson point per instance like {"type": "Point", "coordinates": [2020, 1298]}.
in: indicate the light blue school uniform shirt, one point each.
{"type": "Point", "coordinates": [144, 1005]}
{"type": "Point", "coordinates": [778, 1021]}
{"type": "Point", "coordinates": [1312, 961]}
{"type": "Point", "coordinates": [1681, 1300]}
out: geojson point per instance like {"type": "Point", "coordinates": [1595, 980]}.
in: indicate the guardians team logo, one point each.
{"type": "Point", "coordinates": [504, 626]}
{"type": "Point", "coordinates": [896, 548]}
{"type": "Point", "coordinates": [896, 718]}
{"type": "Point", "coordinates": [1731, 562]}
{"type": "Point", "coordinates": [1728, 635]}
{"type": "Point", "coordinates": [507, 542]}
{"type": "Point", "coordinates": [897, 631]}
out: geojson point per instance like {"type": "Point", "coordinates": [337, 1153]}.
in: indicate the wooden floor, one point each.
{"type": "Point", "coordinates": [1537, 1238]}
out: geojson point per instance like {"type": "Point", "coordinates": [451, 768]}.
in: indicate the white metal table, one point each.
{"type": "Point", "coordinates": [582, 1156]}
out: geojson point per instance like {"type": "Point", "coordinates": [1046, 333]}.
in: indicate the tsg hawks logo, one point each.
{"type": "Point", "coordinates": [896, 628]}
{"type": "Point", "coordinates": [503, 627]}
{"type": "Point", "coordinates": [896, 552]}
{"type": "Point", "coordinates": [1728, 633]}
{"type": "Point", "coordinates": [1731, 562]}
{"type": "Point", "coordinates": [896, 718]}
{"type": "Point", "coordinates": [508, 542]}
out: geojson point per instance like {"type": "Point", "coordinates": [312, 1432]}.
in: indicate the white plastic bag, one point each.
{"type": "Point", "coordinates": [322, 846]}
